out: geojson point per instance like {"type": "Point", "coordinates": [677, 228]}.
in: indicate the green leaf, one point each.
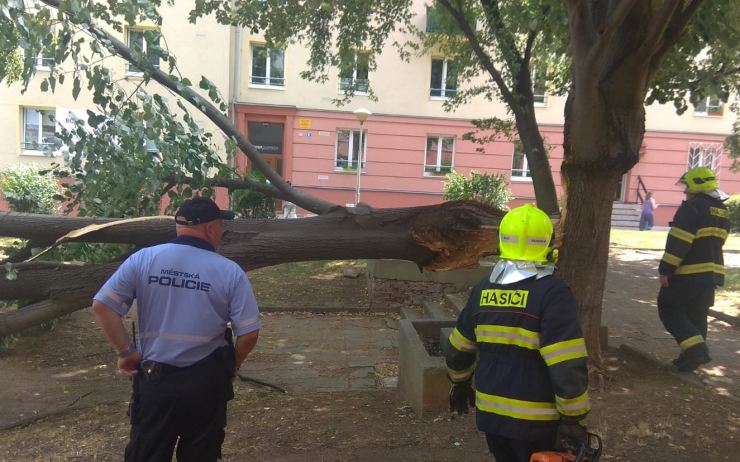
{"type": "Point", "coordinates": [44, 85]}
{"type": "Point", "coordinates": [76, 87]}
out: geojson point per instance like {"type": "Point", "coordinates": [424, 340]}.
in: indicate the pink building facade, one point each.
{"type": "Point", "coordinates": [407, 157]}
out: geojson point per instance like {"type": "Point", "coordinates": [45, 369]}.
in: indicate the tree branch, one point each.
{"type": "Point", "coordinates": [606, 34]}
{"type": "Point", "coordinates": [485, 60]}
{"type": "Point", "coordinates": [675, 31]}
{"type": "Point", "coordinates": [657, 28]}
{"type": "Point", "coordinates": [214, 114]}
{"type": "Point", "coordinates": [580, 22]}
{"type": "Point", "coordinates": [531, 37]}
{"type": "Point", "coordinates": [233, 184]}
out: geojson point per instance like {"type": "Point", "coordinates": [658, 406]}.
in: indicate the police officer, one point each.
{"type": "Point", "coordinates": [521, 324]}
{"type": "Point", "coordinates": [692, 266]}
{"type": "Point", "coordinates": [183, 368]}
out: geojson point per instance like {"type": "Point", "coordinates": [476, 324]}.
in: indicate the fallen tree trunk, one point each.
{"type": "Point", "coordinates": [438, 238]}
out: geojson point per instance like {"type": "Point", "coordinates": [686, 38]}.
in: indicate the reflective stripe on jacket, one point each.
{"type": "Point", "coordinates": [693, 249]}
{"type": "Point", "coordinates": [523, 343]}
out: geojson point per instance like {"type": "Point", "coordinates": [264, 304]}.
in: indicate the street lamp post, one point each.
{"type": "Point", "coordinates": [361, 114]}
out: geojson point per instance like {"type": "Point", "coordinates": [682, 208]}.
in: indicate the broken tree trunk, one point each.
{"type": "Point", "coordinates": [438, 238]}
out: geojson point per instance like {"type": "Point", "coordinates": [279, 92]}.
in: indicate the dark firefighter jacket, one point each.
{"type": "Point", "coordinates": [693, 249]}
{"type": "Point", "coordinates": [531, 356]}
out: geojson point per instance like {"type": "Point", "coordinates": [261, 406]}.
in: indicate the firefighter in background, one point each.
{"type": "Point", "coordinates": [692, 266]}
{"type": "Point", "coordinates": [521, 324]}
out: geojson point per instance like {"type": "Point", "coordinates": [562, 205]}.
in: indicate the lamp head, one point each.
{"type": "Point", "coordinates": [362, 114]}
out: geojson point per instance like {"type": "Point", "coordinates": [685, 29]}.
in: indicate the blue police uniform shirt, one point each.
{"type": "Point", "coordinates": [186, 293]}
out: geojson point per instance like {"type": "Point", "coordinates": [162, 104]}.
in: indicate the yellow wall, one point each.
{"type": "Point", "coordinates": [201, 49]}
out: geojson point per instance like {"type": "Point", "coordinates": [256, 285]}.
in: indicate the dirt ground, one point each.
{"type": "Point", "coordinates": [60, 400]}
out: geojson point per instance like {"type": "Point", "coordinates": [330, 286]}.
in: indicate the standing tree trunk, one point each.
{"type": "Point", "coordinates": [604, 128]}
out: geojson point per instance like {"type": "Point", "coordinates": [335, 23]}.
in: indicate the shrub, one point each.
{"type": "Point", "coordinates": [490, 189]}
{"type": "Point", "coordinates": [29, 190]}
{"type": "Point", "coordinates": [733, 206]}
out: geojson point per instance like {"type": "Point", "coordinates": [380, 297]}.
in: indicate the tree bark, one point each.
{"type": "Point", "coordinates": [605, 124]}
{"type": "Point", "coordinates": [437, 238]}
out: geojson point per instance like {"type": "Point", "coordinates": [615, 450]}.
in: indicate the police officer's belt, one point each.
{"type": "Point", "coordinates": [153, 370]}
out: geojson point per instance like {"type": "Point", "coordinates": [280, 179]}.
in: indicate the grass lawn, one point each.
{"type": "Point", "coordinates": [655, 240]}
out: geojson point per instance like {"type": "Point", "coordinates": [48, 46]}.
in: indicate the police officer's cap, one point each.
{"type": "Point", "coordinates": [200, 210]}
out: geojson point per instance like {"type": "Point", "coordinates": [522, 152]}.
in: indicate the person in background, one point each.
{"type": "Point", "coordinates": [693, 265]}
{"type": "Point", "coordinates": [647, 218]}
{"type": "Point", "coordinates": [519, 338]}
{"type": "Point", "coordinates": [289, 207]}
{"type": "Point", "coordinates": [187, 297]}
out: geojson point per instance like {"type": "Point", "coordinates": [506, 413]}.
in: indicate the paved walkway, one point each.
{"type": "Point", "coordinates": [304, 352]}
{"type": "Point", "coordinates": [631, 314]}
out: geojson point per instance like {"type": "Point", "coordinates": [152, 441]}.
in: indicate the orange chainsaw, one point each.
{"type": "Point", "coordinates": [584, 452]}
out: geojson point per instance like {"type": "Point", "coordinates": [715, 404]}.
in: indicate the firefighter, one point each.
{"type": "Point", "coordinates": [692, 266]}
{"type": "Point", "coordinates": [521, 325]}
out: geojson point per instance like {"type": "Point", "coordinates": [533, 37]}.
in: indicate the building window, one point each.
{"type": "Point", "coordinates": [39, 131]}
{"type": "Point", "coordinates": [705, 155]}
{"type": "Point", "coordinates": [444, 79]}
{"type": "Point", "coordinates": [141, 42]}
{"type": "Point", "coordinates": [348, 148]}
{"type": "Point", "coordinates": [268, 66]}
{"type": "Point", "coordinates": [356, 77]}
{"type": "Point", "coordinates": [539, 87]}
{"type": "Point", "coordinates": [710, 106]}
{"type": "Point", "coordinates": [519, 166]}
{"type": "Point", "coordinates": [439, 155]}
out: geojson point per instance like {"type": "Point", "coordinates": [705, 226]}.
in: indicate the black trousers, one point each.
{"type": "Point", "coordinates": [510, 450]}
{"type": "Point", "coordinates": [183, 407]}
{"type": "Point", "coordinates": [683, 308]}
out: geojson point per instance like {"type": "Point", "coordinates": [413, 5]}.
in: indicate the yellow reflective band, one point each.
{"type": "Point", "coordinates": [461, 343]}
{"type": "Point", "coordinates": [679, 233]}
{"type": "Point", "coordinates": [718, 212]}
{"type": "Point", "coordinates": [507, 298]}
{"type": "Point", "coordinates": [508, 336]}
{"type": "Point", "coordinates": [564, 351]}
{"type": "Point", "coordinates": [573, 406]}
{"type": "Point", "coordinates": [671, 259]}
{"type": "Point", "coordinates": [712, 232]}
{"type": "Point", "coordinates": [691, 341]}
{"type": "Point", "coordinates": [460, 376]}
{"type": "Point", "coordinates": [516, 408]}
{"type": "Point", "coordinates": [701, 268]}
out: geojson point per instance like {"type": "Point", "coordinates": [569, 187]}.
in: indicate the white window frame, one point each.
{"type": "Point", "coordinates": [268, 66]}
{"type": "Point", "coordinates": [705, 155]}
{"type": "Point", "coordinates": [525, 170]}
{"type": "Point", "coordinates": [438, 165]}
{"type": "Point", "coordinates": [542, 103]}
{"type": "Point", "coordinates": [35, 152]}
{"type": "Point", "coordinates": [350, 150]}
{"type": "Point", "coordinates": [42, 63]}
{"type": "Point", "coordinates": [444, 79]}
{"type": "Point", "coordinates": [708, 104]}
{"type": "Point", "coordinates": [144, 50]}
{"type": "Point", "coordinates": [354, 75]}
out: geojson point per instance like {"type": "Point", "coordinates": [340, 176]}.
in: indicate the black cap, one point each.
{"type": "Point", "coordinates": [200, 210]}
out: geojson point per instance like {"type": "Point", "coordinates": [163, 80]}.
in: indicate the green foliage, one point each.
{"type": "Point", "coordinates": [11, 59]}
{"type": "Point", "coordinates": [88, 252]}
{"type": "Point", "coordinates": [490, 189]}
{"type": "Point", "coordinates": [29, 190]}
{"type": "Point", "coordinates": [253, 204]}
{"type": "Point", "coordinates": [733, 206]}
